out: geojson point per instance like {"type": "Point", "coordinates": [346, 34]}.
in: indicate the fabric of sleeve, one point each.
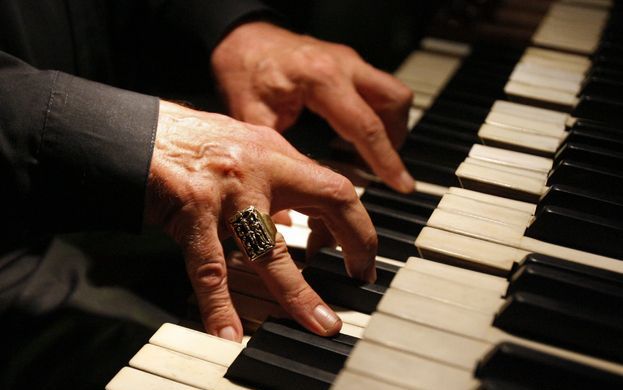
{"type": "Point", "coordinates": [210, 20]}
{"type": "Point", "coordinates": [74, 154]}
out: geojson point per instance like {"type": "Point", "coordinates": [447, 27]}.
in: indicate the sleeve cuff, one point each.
{"type": "Point", "coordinates": [94, 157]}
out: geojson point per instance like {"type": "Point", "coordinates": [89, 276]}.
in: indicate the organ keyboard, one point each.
{"type": "Point", "coordinates": [502, 271]}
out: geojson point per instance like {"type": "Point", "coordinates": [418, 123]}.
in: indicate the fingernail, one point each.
{"type": "Point", "coordinates": [325, 317]}
{"type": "Point", "coordinates": [406, 182]}
{"type": "Point", "coordinates": [228, 333]}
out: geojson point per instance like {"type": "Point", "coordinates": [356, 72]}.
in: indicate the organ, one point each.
{"type": "Point", "coordinates": [503, 270]}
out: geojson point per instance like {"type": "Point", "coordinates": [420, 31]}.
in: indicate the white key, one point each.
{"type": "Point", "coordinates": [458, 320]}
{"type": "Point", "coordinates": [415, 115]}
{"type": "Point", "coordinates": [524, 207]}
{"type": "Point", "coordinates": [518, 171]}
{"type": "Point", "coordinates": [352, 330]}
{"type": "Point", "coordinates": [510, 158]}
{"type": "Point", "coordinates": [197, 344]}
{"type": "Point", "coordinates": [425, 341]}
{"type": "Point", "coordinates": [527, 125]}
{"type": "Point", "coordinates": [557, 118]}
{"type": "Point", "coordinates": [560, 59]}
{"type": "Point", "coordinates": [474, 298]}
{"type": "Point", "coordinates": [132, 379]}
{"type": "Point", "coordinates": [295, 236]}
{"type": "Point", "coordinates": [488, 211]}
{"type": "Point", "coordinates": [522, 75]}
{"type": "Point", "coordinates": [254, 309]}
{"type": "Point", "coordinates": [513, 236]}
{"type": "Point", "coordinates": [433, 68]}
{"type": "Point", "coordinates": [477, 176]}
{"type": "Point", "coordinates": [178, 367]}
{"type": "Point", "coordinates": [403, 369]}
{"type": "Point", "coordinates": [467, 251]}
{"type": "Point", "coordinates": [445, 47]}
{"type": "Point", "coordinates": [348, 380]}
{"type": "Point", "coordinates": [248, 283]}
{"type": "Point", "coordinates": [561, 99]}
{"type": "Point", "coordinates": [529, 67]}
{"type": "Point", "coordinates": [495, 284]}
{"type": "Point", "coordinates": [519, 140]}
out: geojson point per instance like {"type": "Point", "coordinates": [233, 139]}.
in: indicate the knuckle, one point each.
{"type": "Point", "coordinates": [341, 189]}
{"type": "Point", "coordinates": [322, 67]}
{"type": "Point", "coordinates": [371, 131]}
{"type": "Point", "coordinates": [210, 276]}
{"type": "Point", "coordinates": [299, 298]}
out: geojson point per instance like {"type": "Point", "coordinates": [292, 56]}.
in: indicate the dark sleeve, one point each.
{"type": "Point", "coordinates": [209, 20]}
{"type": "Point", "coordinates": [74, 154]}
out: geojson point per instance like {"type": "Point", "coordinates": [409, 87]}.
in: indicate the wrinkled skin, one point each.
{"type": "Point", "coordinates": [268, 75]}
{"type": "Point", "coordinates": [205, 167]}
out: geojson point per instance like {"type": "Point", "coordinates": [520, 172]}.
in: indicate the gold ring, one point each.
{"type": "Point", "coordinates": [254, 232]}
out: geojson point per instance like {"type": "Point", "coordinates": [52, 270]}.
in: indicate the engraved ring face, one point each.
{"type": "Point", "coordinates": [254, 232]}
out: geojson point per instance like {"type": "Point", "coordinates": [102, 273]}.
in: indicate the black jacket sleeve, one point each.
{"type": "Point", "coordinates": [209, 20]}
{"type": "Point", "coordinates": [74, 154]}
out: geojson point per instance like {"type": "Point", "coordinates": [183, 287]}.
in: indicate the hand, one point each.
{"type": "Point", "coordinates": [268, 74]}
{"type": "Point", "coordinates": [205, 167]}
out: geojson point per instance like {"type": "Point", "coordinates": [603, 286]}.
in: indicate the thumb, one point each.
{"type": "Point", "coordinates": [205, 264]}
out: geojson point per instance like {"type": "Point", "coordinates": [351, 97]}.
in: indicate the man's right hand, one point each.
{"type": "Point", "coordinates": [205, 167]}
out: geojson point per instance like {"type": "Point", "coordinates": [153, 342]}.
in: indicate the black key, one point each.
{"type": "Point", "coordinates": [396, 245]}
{"type": "Point", "coordinates": [419, 196]}
{"type": "Point", "coordinates": [583, 200]}
{"type": "Point", "coordinates": [446, 109]}
{"type": "Point", "coordinates": [577, 174]}
{"type": "Point", "coordinates": [569, 326]}
{"type": "Point", "coordinates": [435, 149]}
{"type": "Point", "coordinates": [344, 291]}
{"type": "Point", "coordinates": [449, 133]}
{"type": "Point", "coordinates": [442, 118]}
{"type": "Point", "coordinates": [612, 140]}
{"type": "Point", "coordinates": [565, 286]}
{"type": "Point", "coordinates": [517, 365]}
{"type": "Point", "coordinates": [599, 109]}
{"type": "Point", "coordinates": [332, 260]}
{"type": "Point", "coordinates": [266, 370]}
{"type": "Point", "coordinates": [470, 96]}
{"type": "Point", "coordinates": [589, 125]}
{"type": "Point", "coordinates": [395, 220]}
{"type": "Point", "coordinates": [578, 230]}
{"type": "Point", "coordinates": [402, 202]}
{"type": "Point", "coordinates": [602, 275]}
{"type": "Point", "coordinates": [599, 85]}
{"type": "Point", "coordinates": [497, 384]}
{"type": "Point", "coordinates": [605, 73]}
{"type": "Point", "coordinates": [421, 169]}
{"type": "Point", "coordinates": [288, 340]}
{"type": "Point", "coordinates": [588, 154]}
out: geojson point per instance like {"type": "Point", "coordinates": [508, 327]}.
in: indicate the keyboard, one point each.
{"type": "Point", "coordinates": [502, 271]}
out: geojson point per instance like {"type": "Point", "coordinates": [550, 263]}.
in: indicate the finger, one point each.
{"type": "Point", "coordinates": [355, 121]}
{"type": "Point", "coordinates": [389, 98]}
{"type": "Point", "coordinates": [207, 271]}
{"type": "Point", "coordinates": [319, 237]}
{"type": "Point", "coordinates": [321, 193]}
{"type": "Point", "coordinates": [287, 285]}
{"type": "Point", "coordinates": [283, 218]}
